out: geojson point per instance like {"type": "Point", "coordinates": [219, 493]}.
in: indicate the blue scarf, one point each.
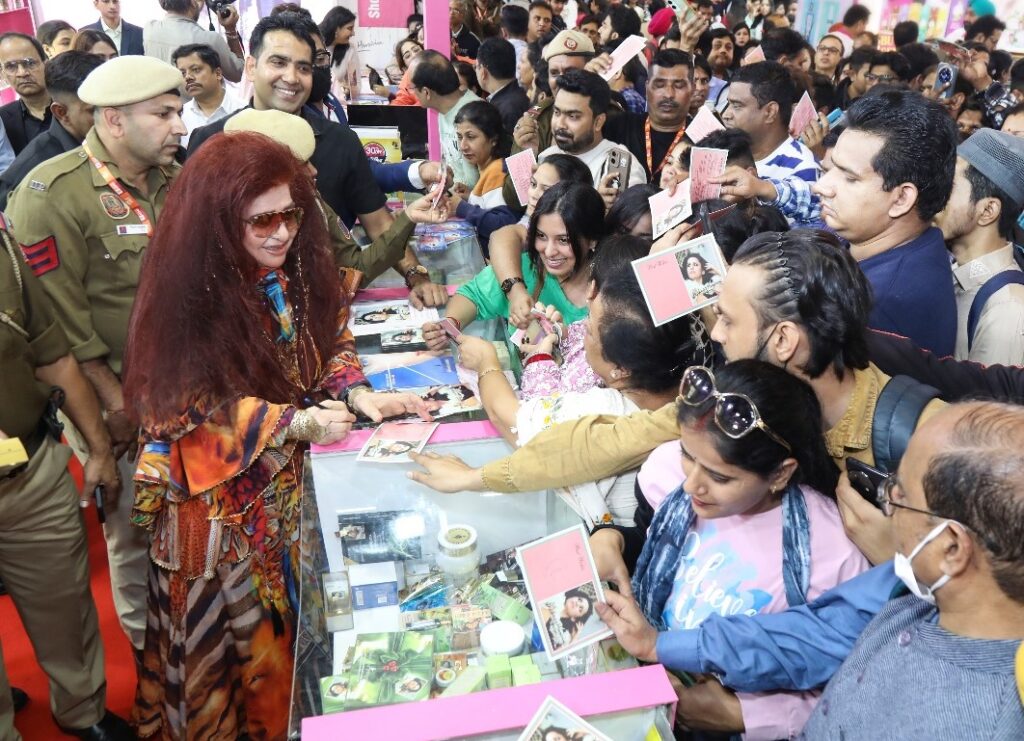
{"type": "Point", "coordinates": [656, 568]}
{"type": "Point", "coordinates": [271, 286]}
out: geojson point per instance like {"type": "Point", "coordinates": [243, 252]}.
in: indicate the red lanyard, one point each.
{"type": "Point", "coordinates": [668, 152]}
{"type": "Point", "coordinates": [119, 191]}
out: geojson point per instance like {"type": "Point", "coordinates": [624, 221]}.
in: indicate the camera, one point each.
{"type": "Point", "coordinates": [220, 7]}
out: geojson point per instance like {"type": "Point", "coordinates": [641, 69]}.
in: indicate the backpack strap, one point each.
{"type": "Point", "coordinates": [899, 406]}
{"type": "Point", "coordinates": [993, 284]}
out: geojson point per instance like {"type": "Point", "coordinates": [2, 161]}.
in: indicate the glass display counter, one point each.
{"type": "Point", "coordinates": [388, 645]}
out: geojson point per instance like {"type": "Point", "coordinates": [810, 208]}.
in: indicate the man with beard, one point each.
{"type": "Point", "coordinates": [717, 46]}
{"type": "Point", "coordinates": [577, 119]}
{"type": "Point", "coordinates": [701, 84]}
{"type": "Point", "coordinates": [652, 136]}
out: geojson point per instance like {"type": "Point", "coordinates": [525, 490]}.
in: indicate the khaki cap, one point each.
{"type": "Point", "coordinates": [568, 42]}
{"type": "Point", "coordinates": [127, 80]}
{"type": "Point", "coordinates": [284, 128]}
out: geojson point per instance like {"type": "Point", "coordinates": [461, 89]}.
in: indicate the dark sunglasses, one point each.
{"type": "Point", "coordinates": [264, 225]}
{"type": "Point", "coordinates": [735, 414]}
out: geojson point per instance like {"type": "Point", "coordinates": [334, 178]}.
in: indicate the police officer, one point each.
{"type": "Point", "coordinates": [43, 550]}
{"type": "Point", "coordinates": [84, 219]}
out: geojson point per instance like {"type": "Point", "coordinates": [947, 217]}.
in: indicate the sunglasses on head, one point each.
{"type": "Point", "coordinates": [266, 224]}
{"type": "Point", "coordinates": [735, 414]}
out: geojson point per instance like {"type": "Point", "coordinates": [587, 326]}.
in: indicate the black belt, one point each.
{"type": "Point", "coordinates": [32, 443]}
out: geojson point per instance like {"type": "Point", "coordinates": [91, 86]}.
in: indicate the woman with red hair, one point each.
{"type": "Point", "coordinates": [238, 356]}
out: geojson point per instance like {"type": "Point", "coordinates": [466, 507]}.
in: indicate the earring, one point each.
{"type": "Point", "coordinates": [615, 374]}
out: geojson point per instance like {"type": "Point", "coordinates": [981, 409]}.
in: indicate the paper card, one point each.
{"type": "Point", "coordinates": [520, 169]}
{"type": "Point", "coordinates": [375, 317]}
{"type": "Point", "coordinates": [706, 163]}
{"type": "Point", "coordinates": [704, 123]}
{"type": "Point", "coordinates": [669, 210]}
{"type": "Point", "coordinates": [562, 582]}
{"type": "Point", "coordinates": [442, 185]}
{"type": "Point", "coordinates": [554, 715]}
{"type": "Point", "coordinates": [681, 280]}
{"type": "Point", "coordinates": [393, 441]}
{"type": "Point", "coordinates": [803, 114]}
{"type": "Point", "coordinates": [628, 49]}
{"type": "Point", "coordinates": [12, 452]}
{"type": "Point", "coordinates": [402, 340]}
{"type": "Point", "coordinates": [753, 56]}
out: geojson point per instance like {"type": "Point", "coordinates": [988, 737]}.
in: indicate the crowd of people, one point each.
{"type": "Point", "coordinates": [809, 496]}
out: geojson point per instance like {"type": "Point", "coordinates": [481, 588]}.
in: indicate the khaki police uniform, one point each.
{"type": "Point", "coordinates": [43, 550]}
{"type": "Point", "coordinates": [86, 246]}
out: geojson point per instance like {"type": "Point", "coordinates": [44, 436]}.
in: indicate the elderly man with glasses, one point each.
{"type": "Point", "coordinates": [22, 58]}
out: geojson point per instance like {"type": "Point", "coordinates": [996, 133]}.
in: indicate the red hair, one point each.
{"type": "Point", "coordinates": [198, 331]}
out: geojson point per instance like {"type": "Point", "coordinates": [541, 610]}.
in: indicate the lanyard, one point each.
{"type": "Point", "coordinates": [119, 191]}
{"type": "Point", "coordinates": [668, 152]}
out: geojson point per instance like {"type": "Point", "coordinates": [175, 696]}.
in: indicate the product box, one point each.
{"type": "Point", "coordinates": [373, 585]}
{"type": "Point", "coordinates": [390, 668]}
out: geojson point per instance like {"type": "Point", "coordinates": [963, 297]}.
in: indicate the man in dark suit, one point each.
{"type": "Point", "coordinates": [127, 37]}
{"type": "Point", "coordinates": [496, 73]}
{"type": "Point", "coordinates": [21, 58]}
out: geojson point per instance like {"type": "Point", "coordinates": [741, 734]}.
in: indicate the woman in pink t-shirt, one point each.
{"type": "Point", "coordinates": [749, 526]}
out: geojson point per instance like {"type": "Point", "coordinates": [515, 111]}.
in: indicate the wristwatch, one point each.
{"type": "Point", "coordinates": [415, 270]}
{"type": "Point", "coordinates": [506, 285]}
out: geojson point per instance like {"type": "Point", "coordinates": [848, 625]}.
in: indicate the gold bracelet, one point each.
{"type": "Point", "coordinates": [480, 376]}
{"type": "Point", "coordinates": [304, 427]}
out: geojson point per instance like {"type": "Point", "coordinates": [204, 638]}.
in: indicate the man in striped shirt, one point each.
{"type": "Point", "coordinates": [761, 99]}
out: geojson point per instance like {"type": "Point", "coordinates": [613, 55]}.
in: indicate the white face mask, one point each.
{"type": "Point", "coordinates": [905, 572]}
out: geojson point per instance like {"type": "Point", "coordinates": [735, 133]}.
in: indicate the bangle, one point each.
{"type": "Point", "coordinates": [304, 427]}
{"type": "Point", "coordinates": [537, 357]}
{"type": "Point", "coordinates": [353, 393]}
{"type": "Point", "coordinates": [480, 376]}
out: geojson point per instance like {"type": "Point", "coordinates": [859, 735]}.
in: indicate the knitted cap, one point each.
{"type": "Point", "coordinates": [284, 128]}
{"type": "Point", "coordinates": [661, 22]}
{"type": "Point", "coordinates": [982, 7]}
{"type": "Point", "coordinates": [1000, 158]}
{"type": "Point", "coordinates": [131, 79]}
{"type": "Point", "coordinates": [568, 42]}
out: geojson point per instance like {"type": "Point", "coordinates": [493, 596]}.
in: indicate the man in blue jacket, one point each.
{"type": "Point", "coordinates": [127, 37]}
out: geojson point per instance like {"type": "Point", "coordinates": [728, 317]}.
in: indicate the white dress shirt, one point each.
{"type": "Point", "coordinates": [193, 117]}
{"type": "Point", "coordinates": [113, 33]}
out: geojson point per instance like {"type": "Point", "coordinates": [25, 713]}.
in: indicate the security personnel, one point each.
{"type": "Point", "coordinates": [84, 219]}
{"type": "Point", "coordinates": [43, 550]}
{"type": "Point", "coordinates": [389, 249]}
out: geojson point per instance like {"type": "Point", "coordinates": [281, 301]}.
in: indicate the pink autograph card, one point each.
{"type": "Point", "coordinates": [803, 114]}
{"type": "Point", "coordinates": [681, 280]}
{"type": "Point", "coordinates": [562, 582]}
{"type": "Point", "coordinates": [669, 209]}
{"type": "Point", "coordinates": [626, 51]}
{"type": "Point", "coordinates": [704, 123]}
{"type": "Point", "coordinates": [520, 169]}
{"type": "Point", "coordinates": [753, 56]}
{"type": "Point", "coordinates": [704, 164]}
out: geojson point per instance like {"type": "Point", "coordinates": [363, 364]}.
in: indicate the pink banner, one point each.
{"type": "Point", "coordinates": [377, 13]}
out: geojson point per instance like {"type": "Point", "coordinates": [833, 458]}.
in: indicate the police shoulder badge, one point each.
{"type": "Point", "coordinates": [114, 206]}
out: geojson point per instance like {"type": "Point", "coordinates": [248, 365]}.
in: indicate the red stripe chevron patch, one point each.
{"type": "Point", "coordinates": [42, 256]}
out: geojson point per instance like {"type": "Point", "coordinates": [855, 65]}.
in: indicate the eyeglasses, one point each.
{"type": "Point", "coordinates": [885, 490]}
{"type": "Point", "coordinates": [12, 66]}
{"type": "Point", "coordinates": [265, 225]}
{"type": "Point", "coordinates": [829, 50]}
{"type": "Point", "coordinates": [322, 58]}
{"type": "Point", "coordinates": [735, 414]}
{"type": "Point", "coordinates": [872, 77]}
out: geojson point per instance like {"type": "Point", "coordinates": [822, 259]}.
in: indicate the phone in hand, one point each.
{"type": "Point", "coordinates": [97, 495]}
{"type": "Point", "coordinates": [945, 76]}
{"type": "Point", "coordinates": [533, 111]}
{"type": "Point", "coordinates": [374, 76]}
{"type": "Point", "coordinates": [865, 480]}
{"type": "Point", "coordinates": [618, 161]}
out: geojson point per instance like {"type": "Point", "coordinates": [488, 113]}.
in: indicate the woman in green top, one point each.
{"type": "Point", "coordinates": [566, 224]}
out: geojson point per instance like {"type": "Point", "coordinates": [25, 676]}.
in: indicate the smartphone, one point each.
{"type": "Point", "coordinates": [375, 78]}
{"type": "Point", "coordinates": [533, 111]}
{"type": "Point", "coordinates": [97, 495]}
{"type": "Point", "coordinates": [834, 117]}
{"type": "Point", "coordinates": [450, 328]}
{"type": "Point", "coordinates": [945, 75]}
{"type": "Point", "coordinates": [618, 161]}
{"type": "Point", "coordinates": [865, 479]}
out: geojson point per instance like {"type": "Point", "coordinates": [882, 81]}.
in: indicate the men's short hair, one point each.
{"type": "Point", "coordinates": [860, 57]}
{"type": "Point", "coordinates": [769, 81]}
{"type": "Point", "coordinates": [515, 20]}
{"type": "Point", "coordinates": [704, 42]}
{"type": "Point", "coordinates": [700, 61]}
{"type": "Point", "coordinates": [624, 21]}
{"type": "Point", "coordinates": [587, 19]}
{"type": "Point", "coordinates": [978, 480]}
{"type": "Point", "coordinates": [291, 8]}
{"type": "Point", "coordinates": [669, 58]}
{"type": "Point", "coordinates": [587, 84]}
{"type": "Point", "coordinates": [986, 25]}
{"type": "Point", "coordinates": [781, 42]}
{"type": "Point", "coordinates": [855, 15]}
{"type": "Point", "coordinates": [735, 141]}
{"type": "Point", "coordinates": [895, 61]}
{"type": "Point", "coordinates": [812, 280]}
{"type": "Point", "coordinates": [498, 57]}
{"type": "Point", "coordinates": [66, 72]}
{"type": "Point", "coordinates": [905, 32]}
{"type": "Point", "coordinates": [176, 6]}
{"type": "Point", "coordinates": [982, 187]}
{"type": "Point", "coordinates": [920, 57]}
{"type": "Point", "coordinates": [25, 37]}
{"type": "Point", "coordinates": [1017, 75]}
{"type": "Point", "coordinates": [823, 92]}
{"type": "Point", "coordinates": [542, 4]}
{"type": "Point", "coordinates": [293, 23]}
{"type": "Point", "coordinates": [435, 72]}
{"type": "Point", "coordinates": [920, 140]}
{"type": "Point", "coordinates": [205, 52]}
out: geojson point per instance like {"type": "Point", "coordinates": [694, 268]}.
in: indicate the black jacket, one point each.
{"type": "Point", "coordinates": [511, 103]}
{"type": "Point", "coordinates": [55, 140]}
{"type": "Point", "coordinates": [20, 126]}
{"type": "Point", "coordinates": [131, 37]}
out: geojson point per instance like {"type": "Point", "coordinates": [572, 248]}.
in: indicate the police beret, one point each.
{"type": "Point", "coordinates": [284, 128]}
{"type": "Point", "coordinates": [568, 42]}
{"type": "Point", "coordinates": [127, 80]}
